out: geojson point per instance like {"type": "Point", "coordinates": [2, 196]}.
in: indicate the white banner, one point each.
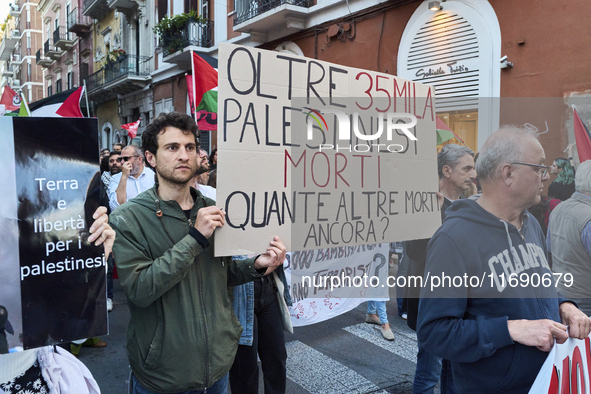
{"type": "Point", "coordinates": [566, 369]}
{"type": "Point", "coordinates": [319, 281]}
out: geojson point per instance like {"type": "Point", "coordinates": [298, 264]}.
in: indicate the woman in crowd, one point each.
{"type": "Point", "coordinates": [213, 159]}
{"type": "Point", "coordinates": [564, 185]}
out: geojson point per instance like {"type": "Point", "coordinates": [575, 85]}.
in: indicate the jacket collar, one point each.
{"type": "Point", "coordinates": [581, 198]}
{"type": "Point", "coordinates": [171, 207]}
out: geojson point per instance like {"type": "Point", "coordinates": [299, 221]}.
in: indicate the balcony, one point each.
{"type": "Point", "coordinates": [15, 10]}
{"type": "Point", "coordinates": [63, 39]}
{"type": "Point", "coordinates": [125, 75]}
{"type": "Point", "coordinates": [8, 44]}
{"type": "Point", "coordinates": [175, 45]}
{"type": "Point", "coordinates": [95, 9]}
{"type": "Point", "coordinates": [123, 6]}
{"type": "Point", "coordinates": [15, 84]}
{"type": "Point", "coordinates": [51, 51]}
{"type": "Point", "coordinates": [85, 46]}
{"type": "Point", "coordinates": [79, 23]}
{"type": "Point", "coordinates": [8, 71]}
{"type": "Point", "coordinates": [41, 60]}
{"type": "Point", "coordinates": [16, 35]}
{"type": "Point", "coordinates": [261, 16]}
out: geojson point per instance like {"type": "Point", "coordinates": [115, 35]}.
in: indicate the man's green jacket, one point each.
{"type": "Point", "coordinates": [183, 334]}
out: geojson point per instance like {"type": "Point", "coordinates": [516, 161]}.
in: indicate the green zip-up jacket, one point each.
{"type": "Point", "coordinates": [183, 334]}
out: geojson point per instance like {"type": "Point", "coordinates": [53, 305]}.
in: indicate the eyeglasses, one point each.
{"type": "Point", "coordinates": [540, 169]}
{"type": "Point", "coordinates": [125, 158]}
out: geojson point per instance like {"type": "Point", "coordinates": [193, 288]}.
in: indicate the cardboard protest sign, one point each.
{"type": "Point", "coordinates": [320, 154]}
{"type": "Point", "coordinates": [52, 279]}
{"type": "Point", "coordinates": [319, 281]}
{"type": "Point", "coordinates": [566, 370]}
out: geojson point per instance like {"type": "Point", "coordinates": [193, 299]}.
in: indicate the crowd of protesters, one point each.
{"type": "Point", "coordinates": [189, 334]}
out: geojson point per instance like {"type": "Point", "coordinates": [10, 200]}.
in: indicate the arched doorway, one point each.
{"type": "Point", "coordinates": [457, 51]}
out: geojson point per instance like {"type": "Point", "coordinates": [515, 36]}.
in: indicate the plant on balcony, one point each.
{"type": "Point", "coordinates": [115, 56]}
{"type": "Point", "coordinates": [170, 30]}
{"type": "Point", "coordinates": [119, 54]}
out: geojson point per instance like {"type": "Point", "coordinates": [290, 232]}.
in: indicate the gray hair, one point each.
{"type": "Point", "coordinates": [583, 178]}
{"type": "Point", "coordinates": [450, 155]}
{"type": "Point", "coordinates": [502, 147]}
{"type": "Point", "coordinates": [137, 150]}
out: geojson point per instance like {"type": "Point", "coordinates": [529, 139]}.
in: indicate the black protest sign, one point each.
{"type": "Point", "coordinates": [57, 184]}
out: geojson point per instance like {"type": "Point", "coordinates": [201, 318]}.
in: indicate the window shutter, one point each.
{"type": "Point", "coordinates": [445, 54]}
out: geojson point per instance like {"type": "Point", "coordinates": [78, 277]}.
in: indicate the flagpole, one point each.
{"type": "Point", "coordinates": [194, 87]}
{"type": "Point", "coordinates": [86, 96]}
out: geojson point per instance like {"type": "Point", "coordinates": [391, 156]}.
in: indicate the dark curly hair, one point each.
{"type": "Point", "coordinates": [175, 119]}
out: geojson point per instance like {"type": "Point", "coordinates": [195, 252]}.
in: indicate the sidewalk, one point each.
{"type": "Point", "coordinates": [109, 365]}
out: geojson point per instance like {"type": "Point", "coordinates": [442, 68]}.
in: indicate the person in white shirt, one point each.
{"type": "Point", "coordinates": [133, 179]}
{"type": "Point", "coordinates": [202, 175]}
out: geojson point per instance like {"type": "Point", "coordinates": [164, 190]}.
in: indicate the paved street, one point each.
{"type": "Point", "coordinates": [342, 355]}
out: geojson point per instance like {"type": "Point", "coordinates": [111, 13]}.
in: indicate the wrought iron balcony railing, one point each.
{"type": "Point", "coordinates": [62, 38]}
{"type": "Point", "coordinates": [77, 22]}
{"type": "Point", "coordinates": [197, 33]}
{"type": "Point", "coordinates": [248, 9]}
{"type": "Point", "coordinates": [96, 9]}
{"type": "Point", "coordinates": [127, 65]}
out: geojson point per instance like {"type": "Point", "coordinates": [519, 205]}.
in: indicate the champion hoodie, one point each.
{"type": "Point", "coordinates": [466, 322]}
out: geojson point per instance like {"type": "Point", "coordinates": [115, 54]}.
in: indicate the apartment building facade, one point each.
{"type": "Point", "coordinates": [60, 55]}
{"type": "Point", "coordinates": [123, 49]}
{"type": "Point", "coordinates": [473, 52]}
{"type": "Point", "coordinates": [22, 37]}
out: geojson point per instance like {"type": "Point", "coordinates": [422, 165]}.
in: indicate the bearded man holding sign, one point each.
{"type": "Point", "coordinates": [183, 334]}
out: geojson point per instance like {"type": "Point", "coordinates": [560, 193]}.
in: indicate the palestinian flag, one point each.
{"type": "Point", "coordinates": [582, 137]}
{"type": "Point", "coordinates": [202, 87]}
{"type": "Point", "coordinates": [71, 107]}
{"type": "Point", "coordinates": [445, 133]}
{"type": "Point", "coordinates": [49, 106]}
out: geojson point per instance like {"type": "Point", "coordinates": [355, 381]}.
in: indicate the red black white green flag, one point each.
{"type": "Point", "coordinates": [582, 137]}
{"type": "Point", "coordinates": [202, 87]}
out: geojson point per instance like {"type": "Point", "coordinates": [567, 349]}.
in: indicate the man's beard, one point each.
{"type": "Point", "coordinates": [202, 168]}
{"type": "Point", "coordinates": [115, 170]}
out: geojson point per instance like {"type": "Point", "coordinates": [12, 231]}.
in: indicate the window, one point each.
{"type": "Point", "coordinates": [28, 40]}
{"type": "Point", "coordinates": [83, 73]}
{"type": "Point", "coordinates": [58, 86]}
{"type": "Point", "coordinates": [49, 93]}
{"type": "Point", "coordinates": [70, 80]}
{"type": "Point", "coordinates": [162, 9]}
